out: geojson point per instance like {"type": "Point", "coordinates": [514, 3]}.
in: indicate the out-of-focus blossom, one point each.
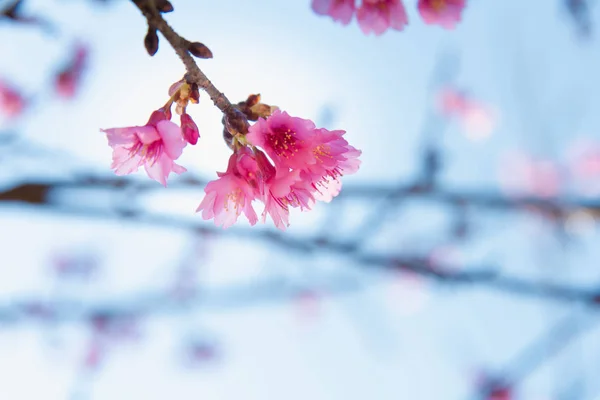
{"type": "Point", "coordinates": [583, 160]}
{"type": "Point", "coordinates": [524, 175]}
{"type": "Point", "coordinates": [155, 145]}
{"type": "Point", "coordinates": [200, 353]}
{"type": "Point", "coordinates": [477, 118]}
{"type": "Point", "coordinates": [339, 10]}
{"type": "Point", "coordinates": [68, 79]}
{"type": "Point", "coordinates": [377, 16]}
{"type": "Point", "coordinates": [500, 393]}
{"type": "Point", "coordinates": [74, 264]}
{"type": "Point", "coordinates": [12, 103]}
{"type": "Point", "coordinates": [308, 303]}
{"type": "Point", "coordinates": [446, 13]}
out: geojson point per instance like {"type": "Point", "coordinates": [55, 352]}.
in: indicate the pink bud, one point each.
{"type": "Point", "coordinates": [189, 129]}
{"type": "Point", "coordinates": [69, 78]}
{"type": "Point", "coordinates": [12, 102]}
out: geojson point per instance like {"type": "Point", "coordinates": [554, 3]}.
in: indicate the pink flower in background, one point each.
{"type": "Point", "coordinates": [583, 162]}
{"type": "Point", "coordinates": [378, 15]}
{"type": "Point", "coordinates": [155, 145]}
{"type": "Point", "coordinates": [69, 78]}
{"type": "Point", "coordinates": [526, 175]}
{"type": "Point", "coordinates": [339, 10]}
{"type": "Point", "coordinates": [478, 118]}
{"type": "Point", "coordinates": [189, 129]}
{"type": "Point", "coordinates": [12, 103]}
{"type": "Point", "coordinates": [446, 13]}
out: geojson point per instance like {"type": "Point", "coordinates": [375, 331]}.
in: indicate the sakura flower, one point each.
{"type": "Point", "coordinates": [378, 15]}
{"type": "Point", "coordinates": [478, 118]}
{"type": "Point", "coordinates": [338, 10]}
{"type": "Point", "coordinates": [446, 13]}
{"type": "Point", "coordinates": [287, 140]}
{"type": "Point", "coordinates": [189, 129]}
{"type": "Point", "coordinates": [12, 102]}
{"type": "Point", "coordinates": [68, 80]}
{"type": "Point", "coordinates": [155, 145]}
{"type": "Point", "coordinates": [230, 195]}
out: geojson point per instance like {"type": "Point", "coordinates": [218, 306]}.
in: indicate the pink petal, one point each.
{"type": "Point", "coordinates": [120, 136]}
{"type": "Point", "coordinates": [172, 140]}
{"type": "Point", "coordinates": [124, 163]}
{"type": "Point", "coordinates": [147, 134]}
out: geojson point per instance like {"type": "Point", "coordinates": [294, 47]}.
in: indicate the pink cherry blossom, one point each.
{"type": "Point", "coordinates": [230, 195]}
{"type": "Point", "coordinates": [12, 102]}
{"type": "Point", "coordinates": [155, 145]}
{"type": "Point", "coordinates": [68, 80]}
{"type": "Point", "coordinates": [478, 118]}
{"type": "Point", "coordinates": [287, 140]}
{"type": "Point", "coordinates": [300, 165]}
{"type": "Point", "coordinates": [189, 129]}
{"type": "Point", "coordinates": [446, 13]}
{"type": "Point", "coordinates": [339, 10]}
{"type": "Point", "coordinates": [378, 15]}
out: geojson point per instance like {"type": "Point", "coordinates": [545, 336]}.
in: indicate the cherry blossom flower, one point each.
{"type": "Point", "coordinates": [446, 13]}
{"type": "Point", "coordinates": [230, 195]}
{"type": "Point", "coordinates": [478, 118]}
{"type": "Point", "coordinates": [68, 80]}
{"type": "Point", "coordinates": [155, 145]}
{"type": "Point", "coordinates": [339, 10]}
{"type": "Point", "coordinates": [378, 15]}
{"type": "Point", "coordinates": [12, 102]}
{"type": "Point", "coordinates": [287, 140]}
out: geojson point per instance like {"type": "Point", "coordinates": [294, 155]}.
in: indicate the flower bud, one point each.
{"type": "Point", "coordinates": [200, 50]}
{"type": "Point", "coordinates": [151, 41]}
{"type": "Point", "coordinates": [164, 6]}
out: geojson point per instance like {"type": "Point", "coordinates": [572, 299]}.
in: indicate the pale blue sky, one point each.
{"type": "Point", "coordinates": [390, 340]}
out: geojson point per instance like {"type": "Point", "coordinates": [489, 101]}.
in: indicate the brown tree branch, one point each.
{"type": "Point", "coordinates": [194, 73]}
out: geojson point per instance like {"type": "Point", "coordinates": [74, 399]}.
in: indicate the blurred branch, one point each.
{"type": "Point", "coordinates": [540, 350]}
{"type": "Point", "coordinates": [485, 277]}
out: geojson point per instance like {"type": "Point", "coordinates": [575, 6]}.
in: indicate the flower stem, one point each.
{"type": "Point", "coordinates": [181, 45]}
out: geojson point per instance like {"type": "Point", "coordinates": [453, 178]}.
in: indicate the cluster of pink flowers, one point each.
{"type": "Point", "coordinates": [307, 163]}
{"type": "Point", "coordinates": [298, 164]}
{"type": "Point", "coordinates": [377, 16]}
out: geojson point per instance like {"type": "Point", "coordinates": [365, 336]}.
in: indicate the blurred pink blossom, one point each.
{"type": "Point", "coordinates": [12, 103]}
{"type": "Point", "coordinates": [583, 163]}
{"type": "Point", "coordinates": [446, 13]}
{"type": "Point", "coordinates": [377, 16]}
{"type": "Point", "coordinates": [338, 10]}
{"type": "Point", "coordinates": [68, 79]}
{"type": "Point", "coordinates": [477, 118]}
{"type": "Point", "coordinates": [525, 175]}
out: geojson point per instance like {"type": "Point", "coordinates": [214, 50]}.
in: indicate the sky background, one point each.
{"type": "Point", "coordinates": [393, 337]}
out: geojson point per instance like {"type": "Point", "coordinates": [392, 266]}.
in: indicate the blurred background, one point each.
{"type": "Point", "coordinates": [460, 262]}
